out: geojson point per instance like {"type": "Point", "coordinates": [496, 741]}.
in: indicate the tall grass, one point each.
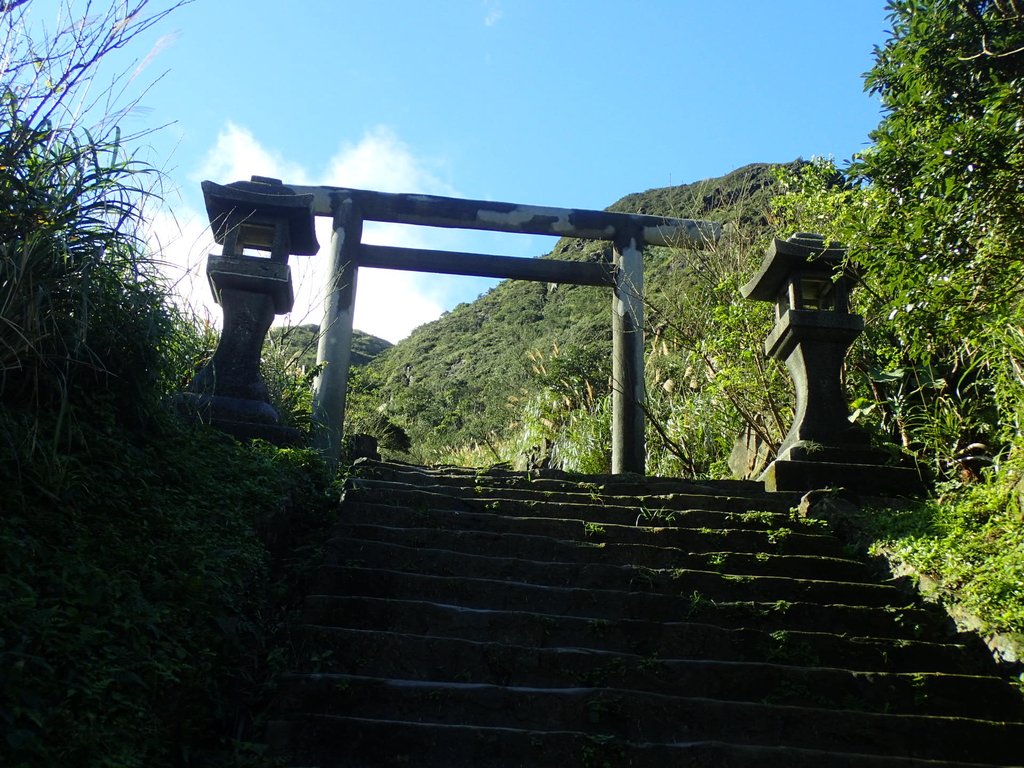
{"type": "Point", "coordinates": [84, 321]}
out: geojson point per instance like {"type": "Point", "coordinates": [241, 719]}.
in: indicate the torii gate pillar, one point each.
{"type": "Point", "coordinates": [334, 350]}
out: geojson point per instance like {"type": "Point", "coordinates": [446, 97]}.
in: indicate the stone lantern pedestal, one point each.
{"type": "Point", "coordinates": [809, 285]}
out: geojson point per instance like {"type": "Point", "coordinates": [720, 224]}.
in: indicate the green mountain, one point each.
{"type": "Point", "coordinates": [298, 344]}
{"type": "Point", "coordinates": [462, 382]}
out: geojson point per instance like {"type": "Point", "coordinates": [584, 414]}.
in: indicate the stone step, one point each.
{"type": "Point", "coordinates": [343, 547]}
{"type": "Point", "coordinates": [381, 491]}
{"type": "Point", "coordinates": [702, 539]}
{"type": "Point", "coordinates": [593, 583]}
{"type": "Point", "coordinates": [373, 653]}
{"type": "Point", "coordinates": [559, 481]}
{"type": "Point", "coordinates": [470, 552]}
{"type": "Point", "coordinates": [467, 618]}
{"type": "Point", "coordinates": [593, 601]}
{"type": "Point", "coordinates": [330, 741]}
{"type": "Point", "coordinates": [668, 637]}
{"type": "Point", "coordinates": [622, 514]}
{"type": "Point", "coordinates": [643, 716]}
{"type": "Point", "coordinates": [531, 627]}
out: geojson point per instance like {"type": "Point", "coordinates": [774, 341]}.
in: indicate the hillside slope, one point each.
{"type": "Point", "coordinates": [464, 379]}
{"type": "Point", "coordinates": [298, 343]}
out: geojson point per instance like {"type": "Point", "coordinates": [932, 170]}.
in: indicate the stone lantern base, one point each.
{"type": "Point", "coordinates": [864, 479]}
{"type": "Point", "coordinates": [229, 393]}
{"type": "Point", "coordinates": [242, 419]}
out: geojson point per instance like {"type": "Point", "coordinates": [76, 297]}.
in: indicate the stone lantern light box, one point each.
{"type": "Point", "coordinates": [260, 223]}
{"type": "Point", "coordinates": [260, 216]}
{"type": "Point", "coordinates": [809, 282]}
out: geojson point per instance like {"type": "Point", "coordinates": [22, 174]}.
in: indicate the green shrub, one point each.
{"type": "Point", "coordinates": [970, 541]}
{"type": "Point", "coordinates": [144, 588]}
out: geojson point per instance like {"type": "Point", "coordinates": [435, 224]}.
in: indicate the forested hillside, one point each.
{"type": "Point", "coordinates": [296, 346]}
{"type": "Point", "coordinates": [526, 367]}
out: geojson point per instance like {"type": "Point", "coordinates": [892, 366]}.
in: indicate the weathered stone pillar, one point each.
{"type": "Point", "coordinates": [334, 352]}
{"type": "Point", "coordinates": [629, 448]}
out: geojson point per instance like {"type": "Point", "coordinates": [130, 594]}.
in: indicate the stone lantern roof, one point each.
{"type": "Point", "coordinates": [802, 253]}
{"type": "Point", "coordinates": [262, 200]}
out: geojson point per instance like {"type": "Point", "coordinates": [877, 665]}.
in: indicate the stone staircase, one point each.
{"type": "Point", "coordinates": [469, 618]}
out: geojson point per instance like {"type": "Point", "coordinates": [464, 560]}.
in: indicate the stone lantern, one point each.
{"type": "Point", "coordinates": [809, 283]}
{"type": "Point", "coordinates": [260, 223]}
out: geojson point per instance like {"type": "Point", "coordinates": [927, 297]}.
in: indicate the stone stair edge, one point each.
{"type": "Point", "coordinates": [895, 643]}
{"type": "Point", "coordinates": [667, 717]}
{"type": "Point", "coordinates": [498, 471]}
{"type": "Point", "coordinates": [779, 502]}
{"type": "Point", "coordinates": [767, 581]}
{"type": "Point", "coordinates": [772, 616]}
{"type": "Point", "coordinates": [933, 692]}
{"type": "Point", "coordinates": [710, 753]}
{"type": "Point", "coordinates": [866, 588]}
{"type": "Point", "coordinates": [668, 660]}
{"type": "Point", "coordinates": [406, 683]}
{"type": "Point", "coordinates": [492, 515]}
{"type": "Point", "coordinates": [725, 565]}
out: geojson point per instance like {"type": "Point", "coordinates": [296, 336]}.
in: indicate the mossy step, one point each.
{"type": "Point", "coordinates": [537, 623]}
{"type": "Point", "coordinates": [609, 493]}
{"type": "Point", "coordinates": [645, 716]}
{"type": "Point", "coordinates": [331, 741]}
{"type": "Point", "coordinates": [641, 599]}
{"type": "Point", "coordinates": [529, 627]}
{"type": "Point", "coordinates": [596, 572]}
{"type": "Point", "coordinates": [666, 636]}
{"type": "Point", "coordinates": [789, 540]}
{"type": "Point", "coordinates": [618, 485]}
{"type": "Point", "coordinates": [455, 498]}
{"type": "Point", "coordinates": [605, 582]}
{"type": "Point", "coordinates": [373, 653]}
{"type": "Point", "coordinates": [472, 543]}
{"type": "Point", "coordinates": [624, 514]}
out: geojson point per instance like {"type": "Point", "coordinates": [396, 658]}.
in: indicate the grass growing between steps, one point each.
{"type": "Point", "coordinates": [968, 543]}
{"type": "Point", "coordinates": [145, 580]}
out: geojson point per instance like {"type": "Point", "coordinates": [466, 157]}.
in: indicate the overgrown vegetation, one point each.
{"type": "Point", "coordinates": [288, 367]}
{"type": "Point", "coordinates": [932, 213]}
{"type": "Point", "coordinates": [146, 566]}
{"type": "Point", "coordinates": [145, 585]}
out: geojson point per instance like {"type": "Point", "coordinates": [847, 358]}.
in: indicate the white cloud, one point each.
{"type": "Point", "coordinates": [181, 240]}
{"type": "Point", "coordinates": [237, 155]}
{"type": "Point", "coordinates": [382, 162]}
{"type": "Point", "coordinates": [389, 303]}
{"type": "Point", "coordinates": [494, 13]}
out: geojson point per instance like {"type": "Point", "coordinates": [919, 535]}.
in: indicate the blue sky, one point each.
{"type": "Point", "coordinates": [568, 103]}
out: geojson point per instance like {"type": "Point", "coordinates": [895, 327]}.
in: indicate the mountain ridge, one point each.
{"type": "Point", "coordinates": [462, 379]}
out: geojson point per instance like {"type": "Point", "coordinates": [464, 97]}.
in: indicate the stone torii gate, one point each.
{"type": "Point", "coordinates": [349, 208]}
